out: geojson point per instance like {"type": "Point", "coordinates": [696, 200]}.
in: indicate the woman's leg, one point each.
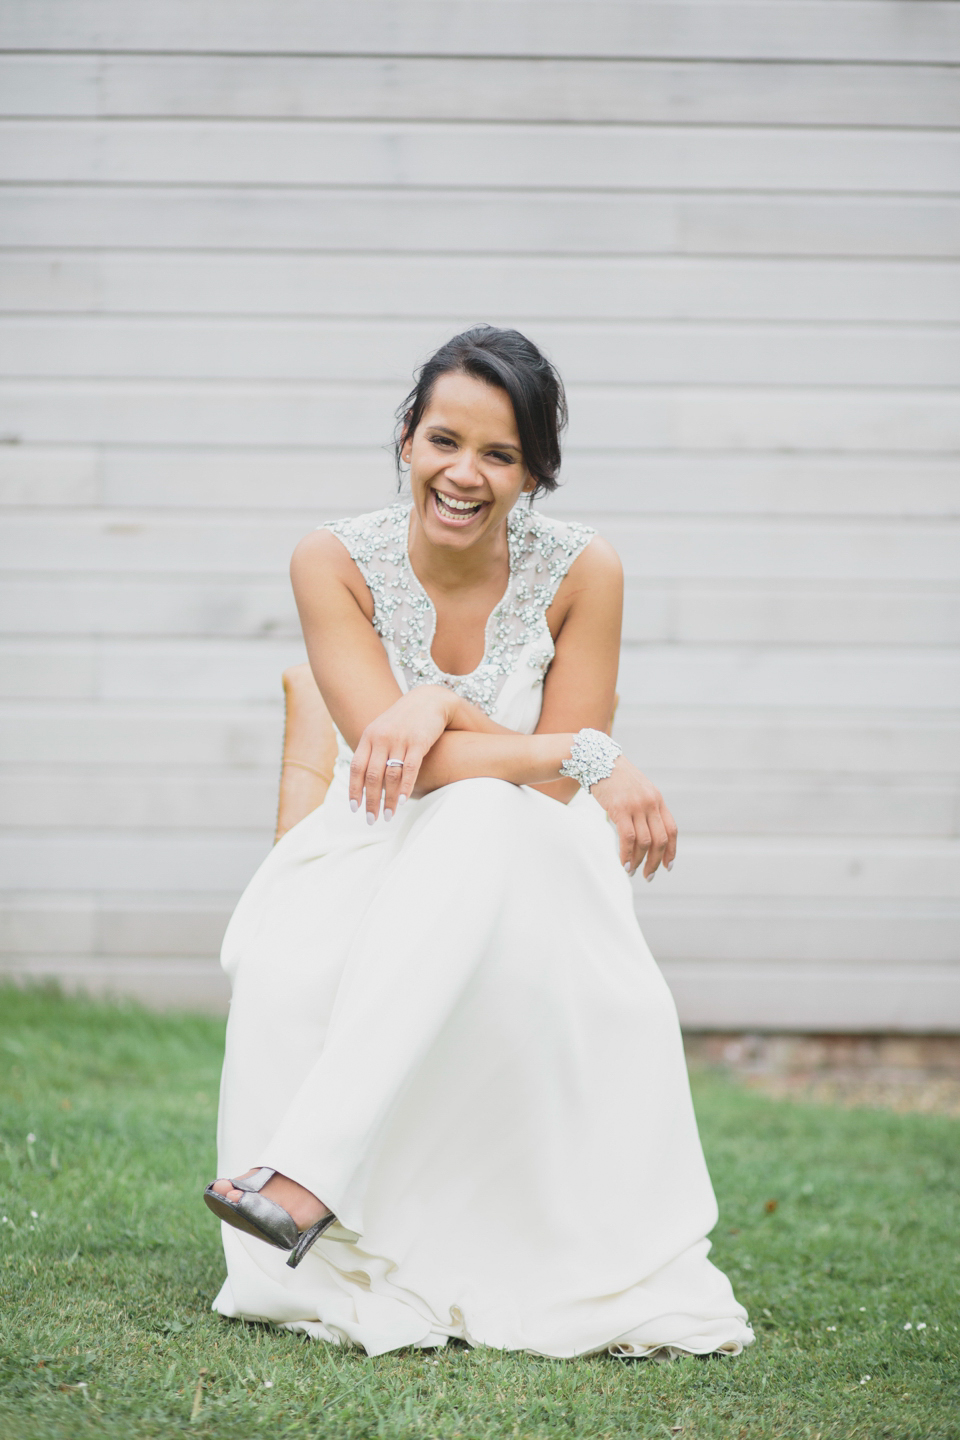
{"type": "Point", "coordinates": [402, 975]}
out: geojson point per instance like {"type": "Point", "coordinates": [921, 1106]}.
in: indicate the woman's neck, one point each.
{"type": "Point", "coordinates": [449, 571]}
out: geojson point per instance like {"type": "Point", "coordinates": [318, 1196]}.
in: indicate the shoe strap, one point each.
{"type": "Point", "coordinates": [256, 1181]}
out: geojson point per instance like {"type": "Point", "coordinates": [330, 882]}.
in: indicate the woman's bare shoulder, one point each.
{"type": "Point", "coordinates": [598, 560]}
{"type": "Point", "coordinates": [590, 596]}
{"type": "Point", "coordinates": [321, 545]}
{"type": "Point", "coordinates": [597, 569]}
{"type": "Point", "coordinates": [321, 562]}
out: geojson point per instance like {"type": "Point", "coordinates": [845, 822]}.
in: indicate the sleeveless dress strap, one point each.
{"type": "Point", "coordinates": [377, 543]}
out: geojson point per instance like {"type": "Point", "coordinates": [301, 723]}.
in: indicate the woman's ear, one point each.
{"type": "Point", "coordinates": [529, 485]}
{"type": "Point", "coordinates": [406, 441]}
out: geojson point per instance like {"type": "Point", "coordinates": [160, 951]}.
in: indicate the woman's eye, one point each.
{"type": "Point", "coordinates": [441, 440]}
{"type": "Point", "coordinates": [503, 458]}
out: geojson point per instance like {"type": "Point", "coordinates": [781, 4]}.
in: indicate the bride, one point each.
{"type": "Point", "coordinates": [451, 1061]}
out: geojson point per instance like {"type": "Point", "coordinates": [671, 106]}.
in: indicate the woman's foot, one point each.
{"type": "Point", "coordinates": [301, 1205]}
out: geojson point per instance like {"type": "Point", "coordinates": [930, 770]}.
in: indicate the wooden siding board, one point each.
{"type": "Point", "coordinates": [408, 219]}
{"type": "Point", "coordinates": [858, 30]}
{"type": "Point", "coordinates": [637, 353]}
{"type": "Point", "coordinates": [102, 734]}
{"type": "Point", "coordinates": [454, 88]}
{"type": "Point", "coordinates": [864, 742]}
{"type": "Point", "coordinates": [164, 607]}
{"type": "Point", "coordinates": [768, 996]}
{"type": "Point", "coordinates": [461, 289]}
{"type": "Point", "coordinates": [608, 157]}
{"type": "Point", "coordinates": [109, 799]}
{"type": "Point", "coordinates": [106, 923]}
{"type": "Point", "coordinates": [771, 614]}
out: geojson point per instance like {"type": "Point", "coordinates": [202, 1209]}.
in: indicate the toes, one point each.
{"type": "Point", "coordinates": [227, 1190]}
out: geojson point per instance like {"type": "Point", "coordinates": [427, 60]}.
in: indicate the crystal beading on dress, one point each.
{"type": "Point", "coordinates": [541, 552]}
{"type": "Point", "coordinates": [592, 758]}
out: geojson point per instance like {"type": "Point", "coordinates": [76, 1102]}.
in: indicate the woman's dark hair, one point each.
{"type": "Point", "coordinates": [512, 363]}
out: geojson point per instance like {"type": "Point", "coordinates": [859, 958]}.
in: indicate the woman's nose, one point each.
{"type": "Point", "coordinates": [464, 469]}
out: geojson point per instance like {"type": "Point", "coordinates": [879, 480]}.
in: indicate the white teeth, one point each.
{"type": "Point", "coordinates": [450, 504]}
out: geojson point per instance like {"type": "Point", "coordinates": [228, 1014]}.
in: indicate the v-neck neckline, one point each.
{"type": "Point", "coordinates": [431, 609]}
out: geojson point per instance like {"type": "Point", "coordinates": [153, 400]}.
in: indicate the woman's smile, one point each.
{"type": "Point", "coordinates": [453, 510]}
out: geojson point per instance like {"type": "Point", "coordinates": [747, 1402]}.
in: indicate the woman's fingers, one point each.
{"type": "Point", "coordinates": [634, 841]}
{"type": "Point", "coordinates": [628, 840]}
{"type": "Point", "coordinates": [371, 775]}
{"type": "Point", "coordinates": [641, 844]}
{"type": "Point", "coordinates": [670, 825]}
{"type": "Point", "coordinates": [658, 843]}
{"type": "Point", "coordinates": [646, 830]}
{"type": "Point", "coordinates": [373, 780]}
{"type": "Point", "coordinates": [358, 770]}
{"type": "Point", "coordinates": [408, 776]}
{"type": "Point", "coordinates": [392, 782]}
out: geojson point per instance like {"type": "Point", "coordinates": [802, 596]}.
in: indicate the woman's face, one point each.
{"type": "Point", "coordinates": [466, 467]}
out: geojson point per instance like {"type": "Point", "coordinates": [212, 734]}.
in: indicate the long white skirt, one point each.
{"type": "Point", "coordinates": [450, 1029]}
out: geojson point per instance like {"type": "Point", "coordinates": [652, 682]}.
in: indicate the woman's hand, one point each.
{"type": "Point", "coordinates": [404, 732]}
{"type": "Point", "coordinates": [644, 824]}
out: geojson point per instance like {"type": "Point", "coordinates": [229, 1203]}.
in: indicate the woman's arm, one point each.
{"type": "Point", "coordinates": [451, 739]}
{"type": "Point", "coordinates": [585, 620]}
{"type": "Point", "coordinates": [346, 654]}
{"type": "Point", "coordinates": [441, 737]}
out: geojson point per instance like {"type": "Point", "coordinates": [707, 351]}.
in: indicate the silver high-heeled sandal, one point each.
{"type": "Point", "coordinates": [255, 1215]}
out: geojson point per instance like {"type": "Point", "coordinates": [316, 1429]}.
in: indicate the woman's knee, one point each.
{"type": "Point", "coordinates": [497, 809]}
{"type": "Point", "coordinates": [481, 792]}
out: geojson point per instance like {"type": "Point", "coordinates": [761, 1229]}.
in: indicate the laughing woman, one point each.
{"type": "Point", "coordinates": [454, 1100]}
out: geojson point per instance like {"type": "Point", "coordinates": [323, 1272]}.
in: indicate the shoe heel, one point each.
{"type": "Point", "coordinates": [307, 1239]}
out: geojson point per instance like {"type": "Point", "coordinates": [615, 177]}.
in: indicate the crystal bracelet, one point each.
{"type": "Point", "coordinates": [592, 758]}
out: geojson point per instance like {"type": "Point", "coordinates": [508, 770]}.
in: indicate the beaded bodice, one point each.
{"type": "Point", "coordinates": [517, 637]}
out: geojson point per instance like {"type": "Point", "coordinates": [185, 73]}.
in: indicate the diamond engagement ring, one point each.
{"type": "Point", "coordinates": [395, 762]}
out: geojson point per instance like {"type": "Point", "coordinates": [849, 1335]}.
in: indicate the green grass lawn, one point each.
{"type": "Point", "coordinates": [839, 1229]}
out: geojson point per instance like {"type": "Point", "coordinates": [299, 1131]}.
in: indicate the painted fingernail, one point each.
{"type": "Point", "coordinates": [650, 876]}
{"type": "Point", "coordinates": [388, 814]}
{"type": "Point", "coordinates": [669, 865]}
{"type": "Point", "coordinates": [371, 818]}
{"type": "Point", "coordinates": [627, 868]}
{"type": "Point", "coordinates": [401, 801]}
{"type": "Point", "coordinates": [354, 806]}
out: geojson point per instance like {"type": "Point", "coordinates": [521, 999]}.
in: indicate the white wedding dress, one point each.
{"type": "Point", "coordinates": [450, 1029]}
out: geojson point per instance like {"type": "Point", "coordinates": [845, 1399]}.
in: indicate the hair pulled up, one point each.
{"type": "Point", "coordinates": [512, 363]}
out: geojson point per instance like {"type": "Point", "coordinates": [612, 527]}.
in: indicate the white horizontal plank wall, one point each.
{"type": "Point", "coordinates": [229, 231]}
